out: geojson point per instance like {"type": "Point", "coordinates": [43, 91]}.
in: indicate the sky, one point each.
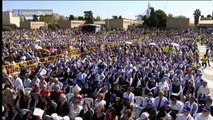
{"type": "Point", "coordinates": [106, 9]}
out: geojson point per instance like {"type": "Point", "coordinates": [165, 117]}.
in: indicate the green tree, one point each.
{"type": "Point", "coordinates": [152, 11]}
{"type": "Point", "coordinates": [180, 16]}
{"type": "Point", "coordinates": [161, 17]}
{"type": "Point", "coordinates": [49, 19]}
{"type": "Point", "coordinates": [35, 18]}
{"type": "Point", "coordinates": [152, 21]}
{"type": "Point", "coordinates": [22, 19]}
{"type": "Point", "coordinates": [80, 18]}
{"type": "Point", "coordinates": [196, 14]}
{"type": "Point", "coordinates": [61, 17]}
{"type": "Point", "coordinates": [98, 18]}
{"type": "Point", "coordinates": [13, 26]}
{"type": "Point", "coordinates": [120, 17]}
{"type": "Point", "coordinates": [170, 16]}
{"type": "Point", "coordinates": [88, 16]}
{"type": "Point", "coordinates": [202, 17]}
{"type": "Point", "coordinates": [71, 17]}
{"type": "Point", "coordinates": [209, 16]}
{"type": "Point", "coordinates": [6, 28]}
{"type": "Point", "coordinates": [114, 17]}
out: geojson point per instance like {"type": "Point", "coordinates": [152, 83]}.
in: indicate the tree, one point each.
{"type": "Point", "coordinates": [88, 16]}
{"type": "Point", "coordinates": [139, 17]}
{"type": "Point", "coordinates": [49, 19]}
{"type": "Point", "coordinates": [35, 18]}
{"type": "Point", "coordinates": [6, 28]}
{"type": "Point", "coordinates": [120, 17]}
{"type": "Point", "coordinates": [98, 18]}
{"type": "Point", "coordinates": [71, 17]}
{"type": "Point", "coordinates": [202, 17]}
{"type": "Point", "coordinates": [114, 17]}
{"type": "Point", "coordinates": [22, 19]}
{"type": "Point", "coordinates": [61, 17]}
{"type": "Point", "coordinates": [80, 18]}
{"type": "Point", "coordinates": [180, 16]}
{"type": "Point", "coordinates": [161, 16]}
{"type": "Point", "coordinates": [152, 11]}
{"type": "Point", "coordinates": [170, 16]}
{"type": "Point", "coordinates": [209, 16]}
{"type": "Point", "coordinates": [157, 19]}
{"type": "Point", "coordinates": [196, 14]}
{"type": "Point", "coordinates": [152, 21]}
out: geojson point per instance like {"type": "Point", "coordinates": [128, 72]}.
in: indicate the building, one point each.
{"type": "Point", "coordinates": [8, 18]}
{"type": "Point", "coordinates": [32, 25]}
{"type": "Point", "coordinates": [121, 23]}
{"type": "Point", "coordinates": [205, 23]}
{"type": "Point", "coordinates": [71, 23]}
{"type": "Point", "coordinates": [117, 23]}
{"type": "Point", "coordinates": [176, 23]}
{"type": "Point", "coordinates": [102, 23]}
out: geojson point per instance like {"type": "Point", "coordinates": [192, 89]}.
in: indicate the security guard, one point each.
{"type": "Point", "coordinates": [166, 49]}
{"type": "Point", "coordinates": [204, 60]}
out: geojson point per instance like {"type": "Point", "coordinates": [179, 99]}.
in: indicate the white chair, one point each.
{"type": "Point", "coordinates": [27, 91]}
{"type": "Point", "coordinates": [89, 101]}
{"type": "Point", "coordinates": [78, 118]}
{"type": "Point", "coordinates": [69, 97]}
{"type": "Point", "coordinates": [64, 118]}
{"type": "Point", "coordinates": [138, 100]}
{"type": "Point", "coordinates": [136, 111]}
{"type": "Point", "coordinates": [25, 111]}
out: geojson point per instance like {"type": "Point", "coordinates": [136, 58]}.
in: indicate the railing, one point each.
{"type": "Point", "coordinates": [32, 64]}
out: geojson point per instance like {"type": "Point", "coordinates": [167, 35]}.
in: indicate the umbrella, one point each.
{"type": "Point", "coordinates": [175, 44]}
{"type": "Point", "coordinates": [128, 42]}
{"type": "Point", "coordinates": [38, 47]}
{"type": "Point", "coordinates": [38, 41]}
{"type": "Point", "coordinates": [154, 44]}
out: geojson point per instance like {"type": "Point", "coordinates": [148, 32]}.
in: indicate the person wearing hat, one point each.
{"type": "Point", "coordinates": [166, 111]}
{"type": "Point", "coordinates": [205, 115]}
{"type": "Point", "coordinates": [209, 104]}
{"type": "Point", "coordinates": [185, 115]}
{"type": "Point", "coordinates": [149, 108]}
{"type": "Point", "coordinates": [192, 105]}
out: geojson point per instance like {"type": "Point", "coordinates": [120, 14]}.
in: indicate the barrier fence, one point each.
{"type": "Point", "coordinates": [32, 64]}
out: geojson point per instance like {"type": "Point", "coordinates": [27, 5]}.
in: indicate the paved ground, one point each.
{"type": "Point", "coordinates": [208, 72]}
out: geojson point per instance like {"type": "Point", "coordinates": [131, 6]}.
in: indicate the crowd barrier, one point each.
{"type": "Point", "coordinates": [32, 64]}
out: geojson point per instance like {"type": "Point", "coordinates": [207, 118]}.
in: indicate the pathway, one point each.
{"type": "Point", "coordinates": [208, 72]}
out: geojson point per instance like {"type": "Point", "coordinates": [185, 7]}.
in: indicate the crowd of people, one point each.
{"type": "Point", "coordinates": [159, 77]}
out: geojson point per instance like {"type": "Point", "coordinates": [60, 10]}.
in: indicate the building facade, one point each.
{"type": "Point", "coordinates": [32, 25]}
{"type": "Point", "coordinates": [8, 18]}
{"type": "Point", "coordinates": [121, 23]}
{"type": "Point", "coordinates": [177, 23]}
{"type": "Point", "coordinates": [71, 23]}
